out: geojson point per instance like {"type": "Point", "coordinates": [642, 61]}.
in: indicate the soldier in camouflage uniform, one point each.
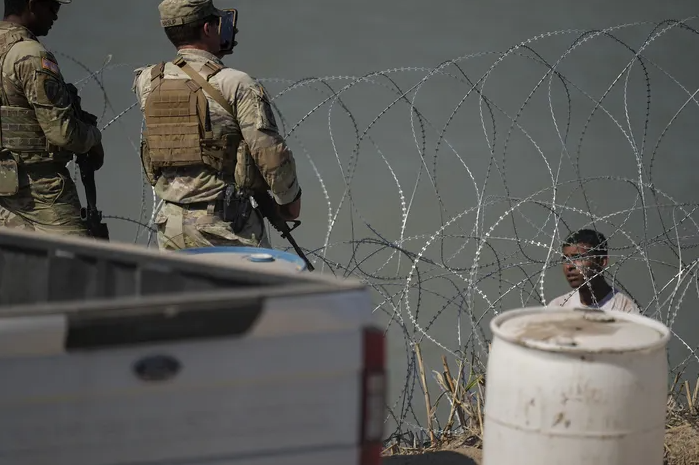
{"type": "Point", "coordinates": [40, 127]}
{"type": "Point", "coordinates": [209, 127]}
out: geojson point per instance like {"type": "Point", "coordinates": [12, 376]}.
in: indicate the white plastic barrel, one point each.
{"type": "Point", "coordinates": [574, 387]}
{"type": "Point", "coordinates": [263, 258]}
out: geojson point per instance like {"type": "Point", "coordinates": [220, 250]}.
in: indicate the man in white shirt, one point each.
{"type": "Point", "coordinates": [585, 256]}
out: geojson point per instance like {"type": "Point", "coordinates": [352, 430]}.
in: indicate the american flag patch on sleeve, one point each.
{"type": "Point", "coordinates": [50, 65]}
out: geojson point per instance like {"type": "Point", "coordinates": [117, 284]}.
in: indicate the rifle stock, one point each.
{"type": "Point", "coordinates": [268, 208]}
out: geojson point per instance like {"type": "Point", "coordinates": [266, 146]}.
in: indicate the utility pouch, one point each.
{"type": "Point", "coordinates": [236, 208]}
{"type": "Point", "coordinates": [9, 178]}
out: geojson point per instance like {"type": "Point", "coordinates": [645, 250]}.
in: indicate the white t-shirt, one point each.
{"type": "Point", "coordinates": [615, 300]}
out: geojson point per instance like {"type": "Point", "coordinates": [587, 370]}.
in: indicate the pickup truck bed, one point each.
{"type": "Point", "coordinates": [115, 354]}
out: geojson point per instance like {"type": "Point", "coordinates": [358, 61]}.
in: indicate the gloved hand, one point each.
{"type": "Point", "coordinates": [94, 158]}
{"type": "Point", "coordinates": [73, 91]}
{"type": "Point", "coordinates": [88, 118]}
{"type": "Point", "coordinates": [290, 211]}
{"type": "Point", "coordinates": [84, 116]}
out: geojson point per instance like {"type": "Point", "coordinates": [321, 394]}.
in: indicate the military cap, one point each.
{"type": "Point", "coordinates": [177, 12]}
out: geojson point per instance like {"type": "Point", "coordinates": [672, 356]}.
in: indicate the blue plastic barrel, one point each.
{"type": "Point", "coordinates": [265, 258]}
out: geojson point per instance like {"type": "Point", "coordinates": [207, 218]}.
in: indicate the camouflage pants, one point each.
{"type": "Point", "coordinates": [47, 201]}
{"type": "Point", "coordinates": [183, 228]}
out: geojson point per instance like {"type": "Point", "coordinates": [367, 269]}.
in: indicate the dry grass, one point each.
{"type": "Point", "coordinates": [467, 402]}
{"type": "Point", "coordinates": [466, 396]}
{"type": "Point", "coordinates": [682, 445]}
{"type": "Point", "coordinates": [682, 430]}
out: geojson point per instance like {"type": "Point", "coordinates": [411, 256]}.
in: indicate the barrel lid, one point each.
{"type": "Point", "coordinates": [265, 258]}
{"type": "Point", "coordinates": [580, 330]}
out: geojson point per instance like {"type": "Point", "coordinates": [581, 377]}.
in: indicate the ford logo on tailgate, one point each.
{"type": "Point", "coordinates": [157, 368]}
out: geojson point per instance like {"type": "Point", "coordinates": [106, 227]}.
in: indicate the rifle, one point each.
{"type": "Point", "coordinates": [90, 214]}
{"type": "Point", "coordinates": [268, 208]}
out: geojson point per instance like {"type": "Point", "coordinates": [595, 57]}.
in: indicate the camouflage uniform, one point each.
{"type": "Point", "coordinates": [263, 160]}
{"type": "Point", "coordinates": [40, 132]}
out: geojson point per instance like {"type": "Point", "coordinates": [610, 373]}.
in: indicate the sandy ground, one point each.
{"type": "Point", "coordinates": [682, 448]}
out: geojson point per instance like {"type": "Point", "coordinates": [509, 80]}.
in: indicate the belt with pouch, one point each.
{"type": "Point", "coordinates": [212, 207]}
{"type": "Point", "coordinates": [232, 206]}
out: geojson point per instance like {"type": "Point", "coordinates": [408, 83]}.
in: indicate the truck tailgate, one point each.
{"type": "Point", "coordinates": [287, 385]}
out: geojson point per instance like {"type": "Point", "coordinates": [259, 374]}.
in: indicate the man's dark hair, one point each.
{"type": "Point", "coordinates": [186, 34]}
{"type": "Point", "coordinates": [15, 7]}
{"type": "Point", "coordinates": [590, 237]}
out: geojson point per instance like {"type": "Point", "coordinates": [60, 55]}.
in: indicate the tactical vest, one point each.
{"type": "Point", "coordinates": [178, 125]}
{"type": "Point", "coordinates": [20, 131]}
